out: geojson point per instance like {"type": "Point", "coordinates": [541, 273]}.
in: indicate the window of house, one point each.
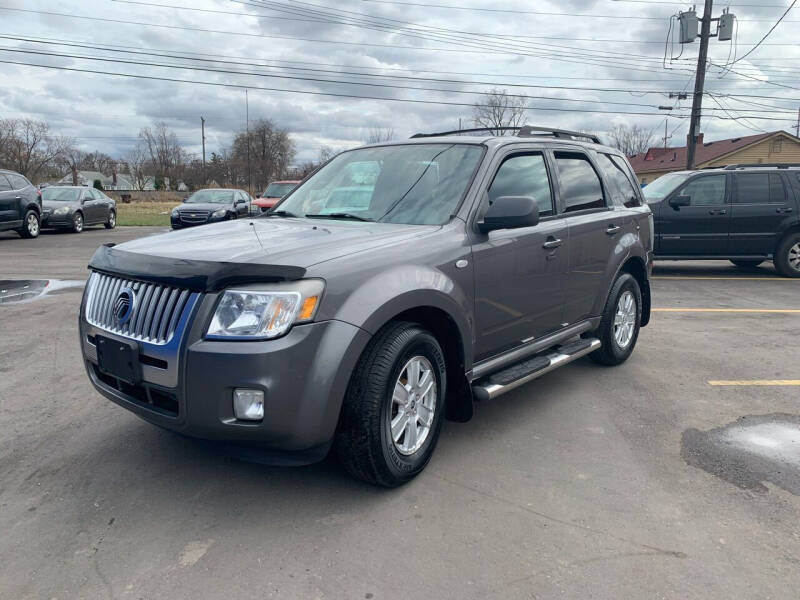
{"type": "Point", "coordinates": [579, 184]}
{"type": "Point", "coordinates": [777, 145]}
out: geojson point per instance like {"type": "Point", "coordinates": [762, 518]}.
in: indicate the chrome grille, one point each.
{"type": "Point", "coordinates": [194, 216]}
{"type": "Point", "coordinates": [156, 311]}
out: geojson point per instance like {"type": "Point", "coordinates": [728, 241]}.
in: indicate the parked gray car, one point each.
{"type": "Point", "coordinates": [20, 205]}
{"type": "Point", "coordinates": [473, 266]}
{"type": "Point", "coordinates": [74, 207]}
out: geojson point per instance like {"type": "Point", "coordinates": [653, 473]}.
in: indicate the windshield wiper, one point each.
{"type": "Point", "coordinates": [339, 215]}
{"type": "Point", "coordinates": [280, 213]}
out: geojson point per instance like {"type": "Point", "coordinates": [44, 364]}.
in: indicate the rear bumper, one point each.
{"type": "Point", "coordinates": [304, 376]}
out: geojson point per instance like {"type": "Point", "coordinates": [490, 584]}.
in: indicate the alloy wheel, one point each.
{"type": "Point", "coordinates": [794, 257]}
{"type": "Point", "coordinates": [33, 225]}
{"type": "Point", "coordinates": [625, 319]}
{"type": "Point", "coordinates": [413, 405]}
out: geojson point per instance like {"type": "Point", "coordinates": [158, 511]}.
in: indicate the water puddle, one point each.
{"type": "Point", "coordinates": [13, 291]}
{"type": "Point", "coordinates": [749, 452]}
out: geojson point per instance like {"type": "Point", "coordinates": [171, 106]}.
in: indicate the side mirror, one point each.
{"type": "Point", "coordinates": [510, 212]}
{"type": "Point", "coordinates": [677, 201]}
{"type": "Point", "coordinates": [258, 195]}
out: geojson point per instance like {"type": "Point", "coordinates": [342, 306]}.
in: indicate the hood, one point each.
{"type": "Point", "coordinates": [209, 206]}
{"type": "Point", "coordinates": [287, 242]}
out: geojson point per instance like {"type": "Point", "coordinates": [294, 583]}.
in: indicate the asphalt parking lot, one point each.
{"type": "Point", "coordinates": [591, 482]}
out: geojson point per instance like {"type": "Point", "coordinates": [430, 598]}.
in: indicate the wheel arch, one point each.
{"type": "Point", "coordinates": [635, 266]}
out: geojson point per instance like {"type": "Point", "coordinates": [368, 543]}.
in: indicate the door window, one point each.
{"type": "Point", "coordinates": [752, 188]}
{"type": "Point", "coordinates": [614, 169]}
{"type": "Point", "coordinates": [524, 175]}
{"type": "Point", "coordinates": [705, 191]}
{"type": "Point", "coordinates": [5, 184]}
{"type": "Point", "coordinates": [580, 186]}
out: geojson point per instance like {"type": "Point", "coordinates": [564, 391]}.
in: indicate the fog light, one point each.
{"type": "Point", "coordinates": [248, 405]}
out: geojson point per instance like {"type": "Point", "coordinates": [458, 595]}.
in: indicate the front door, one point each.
{"type": "Point", "coordinates": [760, 204]}
{"type": "Point", "coordinates": [700, 229]}
{"type": "Point", "coordinates": [519, 273]}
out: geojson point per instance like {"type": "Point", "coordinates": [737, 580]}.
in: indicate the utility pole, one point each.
{"type": "Point", "coordinates": [666, 135]}
{"type": "Point", "coordinates": [203, 129]}
{"type": "Point", "coordinates": [797, 127]}
{"type": "Point", "coordinates": [699, 82]}
{"type": "Point", "coordinates": [247, 129]}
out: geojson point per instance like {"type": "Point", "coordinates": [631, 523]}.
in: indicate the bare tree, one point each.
{"type": "Point", "coordinates": [71, 159]}
{"type": "Point", "coordinates": [271, 151]}
{"type": "Point", "coordinates": [630, 139]}
{"type": "Point", "coordinates": [28, 146]}
{"type": "Point", "coordinates": [136, 161]}
{"type": "Point", "coordinates": [165, 152]}
{"type": "Point", "coordinates": [378, 135]}
{"type": "Point", "coordinates": [497, 109]}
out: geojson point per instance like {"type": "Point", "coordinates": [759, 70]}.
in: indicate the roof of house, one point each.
{"type": "Point", "coordinates": [89, 176]}
{"type": "Point", "coordinates": [670, 159]}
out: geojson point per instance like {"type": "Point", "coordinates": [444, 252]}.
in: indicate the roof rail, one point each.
{"type": "Point", "coordinates": [750, 165]}
{"type": "Point", "coordinates": [524, 131]}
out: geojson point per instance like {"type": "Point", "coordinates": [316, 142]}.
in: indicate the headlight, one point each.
{"type": "Point", "coordinates": [61, 211]}
{"type": "Point", "coordinates": [219, 213]}
{"type": "Point", "coordinates": [265, 312]}
{"type": "Point", "coordinates": [175, 212]}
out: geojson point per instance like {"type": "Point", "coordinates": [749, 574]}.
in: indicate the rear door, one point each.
{"type": "Point", "coordinates": [761, 203]}
{"type": "Point", "coordinates": [8, 202]}
{"type": "Point", "coordinates": [519, 273]}
{"type": "Point", "coordinates": [700, 229]}
{"type": "Point", "coordinates": [595, 226]}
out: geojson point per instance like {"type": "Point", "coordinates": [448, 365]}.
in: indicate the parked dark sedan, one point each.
{"type": "Point", "coordinates": [74, 207]}
{"type": "Point", "coordinates": [211, 206]}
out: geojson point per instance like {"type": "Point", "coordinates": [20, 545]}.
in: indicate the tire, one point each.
{"type": "Point", "coordinates": [617, 348]}
{"type": "Point", "coordinates": [77, 222]}
{"type": "Point", "coordinates": [787, 256]}
{"type": "Point", "coordinates": [112, 220]}
{"type": "Point", "coordinates": [364, 442]}
{"type": "Point", "coordinates": [746, 264]}
{"type": "Point", "coordinates": [31, 225]}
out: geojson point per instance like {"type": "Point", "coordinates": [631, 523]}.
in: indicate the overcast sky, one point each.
{"type": "Point", "coordinates": [378, 43]}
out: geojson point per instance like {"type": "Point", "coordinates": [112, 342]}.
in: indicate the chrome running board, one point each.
{"type": "Point", "coordinates": [512, 377]}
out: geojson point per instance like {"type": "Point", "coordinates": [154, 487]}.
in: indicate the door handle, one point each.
{"type": "Point", "coordinates": [612, 229]}
{"type": "Point", "coordinates": [718, 211]}
{"type": "Point", "coordinates": [552, 243]}
{"type": "Point", "coordinates": [784, 209]}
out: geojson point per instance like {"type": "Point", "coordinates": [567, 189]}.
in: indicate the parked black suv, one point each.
{"type": "Point", "coordinates": [20, 205]}
{"type": "Point", "coordinates": [745, 213]}
{"type": "Point", "coordinates": [393, 287]}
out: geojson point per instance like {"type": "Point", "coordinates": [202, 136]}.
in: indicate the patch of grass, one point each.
{"type": "Point", "coordinates": [144, 213]}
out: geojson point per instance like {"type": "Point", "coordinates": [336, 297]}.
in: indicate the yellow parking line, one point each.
{"type": "Point", "coordinates": [757, 382]}
{"type": "Point", "coordinates": [729, 310]}
{"type": "Point", "coordinates": [681, 277]}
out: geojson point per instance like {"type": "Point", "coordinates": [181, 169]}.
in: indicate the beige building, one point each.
{"type": "Point", "coordinates": [775, 147]}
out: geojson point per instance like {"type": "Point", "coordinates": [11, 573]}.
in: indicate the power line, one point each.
{"type": "Point", "coordinates": [766, 35]}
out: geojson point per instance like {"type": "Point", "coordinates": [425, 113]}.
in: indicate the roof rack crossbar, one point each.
{"type": "Point", "coordinates": [524, 131]}
{"type": "Point", "coordinates": [752, 165]}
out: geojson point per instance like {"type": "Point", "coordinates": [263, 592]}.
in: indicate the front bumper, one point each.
{"type": "Point", "coordinates": [56, 221]}
{"type": "Point", "coordinates": [304, 376]}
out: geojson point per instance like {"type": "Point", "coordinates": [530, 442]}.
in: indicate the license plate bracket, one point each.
{"type": "Point", "coordinates": [119, 358]}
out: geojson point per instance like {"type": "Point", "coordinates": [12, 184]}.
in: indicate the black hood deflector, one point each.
{"type": "Point", "coordinates": [195, 275]}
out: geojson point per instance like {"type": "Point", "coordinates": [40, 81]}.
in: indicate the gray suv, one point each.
{"type": "Point", "coordinates": [20, 205]}
{"type": "Point", "coordinates": [394, 287]}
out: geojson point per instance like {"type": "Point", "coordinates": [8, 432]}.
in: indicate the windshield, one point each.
{"type": "Point", "coordinates": [663, 186]}
{"type": "Point", "coordinates": [278, 190]}
{"type": "Point", "coordinates": [53, 194]}
{"type": "Point", "coordinates": [210, 197]}
{"type": "Point", "coordinates": [416, 184]}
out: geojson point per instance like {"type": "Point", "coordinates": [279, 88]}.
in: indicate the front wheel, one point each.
{"type": "Point", "coordinates": [394, 407]}
{"type": "Point", "coordinates": [112, 220]}
{"type": "Point", "coordinates": [787, 257]}
{"type": "Point", "coordinates": [77, 223]}
{"type": "Point", "coordinates": [30, 225]}
{"type": "Point", "coordinates": [622, 317]}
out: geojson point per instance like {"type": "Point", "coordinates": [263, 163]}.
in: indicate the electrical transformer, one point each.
{"type": "Point", "coordinates": [725, 31]}
{"type": "Point", "coordinates": [688, 26]}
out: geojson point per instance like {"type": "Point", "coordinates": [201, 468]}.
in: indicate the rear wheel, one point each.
{"type": "Point", "coordinates": [746, 264]}
{"type": "Point", "coordinates": [394, 407]}
{"type": "Point", "coordinates": [622, 317]}
{"type": "Point", "coordinates": [112, 220]}
{"type": "Point", "coordinates": [787, 257]}
{"type": "Point", "coordinates": [77, 223]}
{"type": "Point", "coordinates": [30, 225]}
